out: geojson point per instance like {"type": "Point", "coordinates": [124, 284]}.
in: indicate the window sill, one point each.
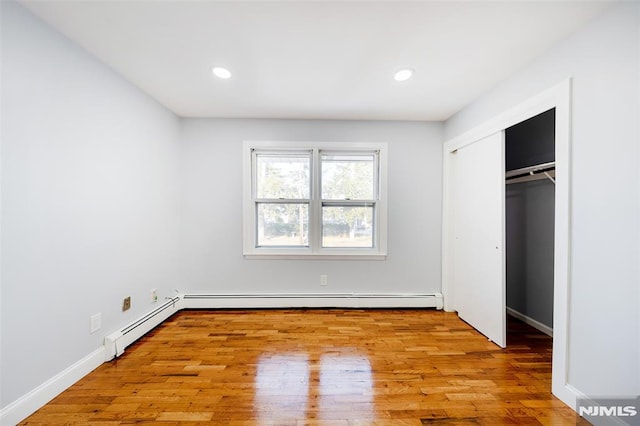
{"type": "Point", "coordinates": [334, 255]}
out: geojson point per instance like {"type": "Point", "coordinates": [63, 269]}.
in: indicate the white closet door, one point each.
{"type": "Point", "coordinates": [478, 246]}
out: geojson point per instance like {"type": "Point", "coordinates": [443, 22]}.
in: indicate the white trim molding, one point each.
{"type": "Point", "coordinates": [30, 402]}
{"type": "Point", "coordinates": [530, 321]}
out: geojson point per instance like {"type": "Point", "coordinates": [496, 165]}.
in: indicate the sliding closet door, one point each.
{"type": "Point", "coordinates": [477, 207]}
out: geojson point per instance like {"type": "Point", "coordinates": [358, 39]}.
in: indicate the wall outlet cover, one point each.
{"type": "Point", "coordinates": [126, 303]}
{"type": "Point", "coordinates": [95, 323]}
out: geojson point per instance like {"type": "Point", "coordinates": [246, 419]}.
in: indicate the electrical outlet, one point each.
{"type": "Point", "coordinates": [324, 280]}
{"type": "Point", "coordinates": [95, 323]}
{"type": "Point", "coordinates": [154, 295]}
{"type": "Point", "coordinates": [126, 303]}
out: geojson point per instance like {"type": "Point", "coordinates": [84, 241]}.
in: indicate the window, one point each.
{"type": "Point", "coordinates": [282, 198]}
{"type": "Point", "coordinates": [349, 192]}
{"type": "Point", "coordinates": [303, 199]}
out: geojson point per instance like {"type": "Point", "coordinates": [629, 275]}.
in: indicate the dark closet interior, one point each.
{"type": "Point", "coordinates": [530, 208]}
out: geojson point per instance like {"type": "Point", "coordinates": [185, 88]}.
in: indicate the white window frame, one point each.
{"type": "Point", "coordinates": [315, 249]}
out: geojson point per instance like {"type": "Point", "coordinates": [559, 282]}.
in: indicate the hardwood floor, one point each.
{"type": "Point", "coordinates": [318, 367]}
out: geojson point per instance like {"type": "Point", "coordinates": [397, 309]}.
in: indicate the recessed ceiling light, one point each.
{"type": "Point", "coordinates": [221, 72]}
{"type": "Point", "coordinates": [403, 75]}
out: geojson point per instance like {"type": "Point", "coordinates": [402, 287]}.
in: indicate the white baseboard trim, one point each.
{"type": "Point", "coordinates": [530, 321]}
{"type": "Point", "coordinates": [29, 403]}
{"type": "Point", "coordinates": [600, 420]}
{"type": "Point", "coordinates": [324, 300]}
{"type": "Point", "coordinates": [569, 395]}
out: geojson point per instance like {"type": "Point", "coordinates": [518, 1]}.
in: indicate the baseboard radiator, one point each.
{"type": "Point", "coordinates": [310, 300]}
{"type": "Point", "coordinates": [116, 342]}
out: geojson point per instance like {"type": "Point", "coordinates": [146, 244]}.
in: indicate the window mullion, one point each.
{"type": "Point", "coordinates": [316, 205]}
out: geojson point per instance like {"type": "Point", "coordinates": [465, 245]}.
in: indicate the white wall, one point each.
{"type": "Point", "coordinates": [93, 174]}
{"type": "Point", "coordinates": [603, 61]}
{"type": "Point", "coordinates": [212, 191]}
{"type": "Point", "coordinates": [89, 201]}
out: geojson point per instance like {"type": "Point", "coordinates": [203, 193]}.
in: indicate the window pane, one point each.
{"type": "Point", "coordinates": [347, 226]}
{"type": "Point", "coordinates": [283, 224]}
{"type": "Point", "coordinates": [348, 177]}
{"type": "Point", "coordinates": [283, 176]}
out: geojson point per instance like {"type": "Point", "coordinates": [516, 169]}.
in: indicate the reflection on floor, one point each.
{"type": "Point", "coordinates": [282, 386]}
{"type": "Point", "coordinates": [324, 367]}
{"type": "Point", "coordinates": [283, 381]}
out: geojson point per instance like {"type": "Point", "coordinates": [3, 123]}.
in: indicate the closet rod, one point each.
{"type": "Point", "coordinates": [531, 173]}
{"type": "Point", "coordinates": [534, 169]}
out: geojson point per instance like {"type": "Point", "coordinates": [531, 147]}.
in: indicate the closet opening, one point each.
{"type": "Point", "coordinates": [529, 225]}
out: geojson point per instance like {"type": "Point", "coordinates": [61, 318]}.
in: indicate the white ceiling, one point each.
{"type": "Point", "coordinates": [316, 59]}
